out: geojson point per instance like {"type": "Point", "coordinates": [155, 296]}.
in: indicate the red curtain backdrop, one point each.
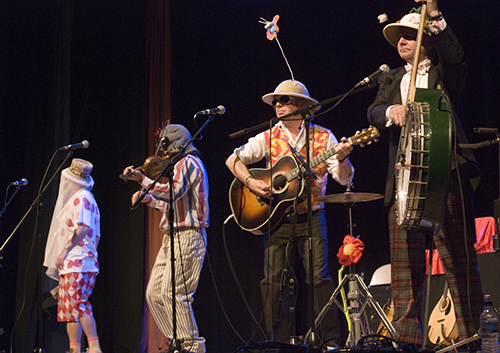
{"type": "Point", "coordinates": [159, 108]}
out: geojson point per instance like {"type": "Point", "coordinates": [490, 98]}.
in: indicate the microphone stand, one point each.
{"type": "Point", "coordinates": [483, 144]}
{"type": "Point", "coordinates": [168, 172]}
{"type": "Point", "coordinates": [311, 339]}
{"type": "Point", "coordinates": [9, 201]}
{"type": "Point", "coordinates": [300, 111]}
{"type": "Point", "coordinates": [38, 201]}
{"type": "Point", "coordinates": [1, 215]}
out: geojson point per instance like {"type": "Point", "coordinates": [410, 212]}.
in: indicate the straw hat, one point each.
{"type": "Point", "coordinates": [79, 172]}
{"type": "Point", "coordinates": [411, 20]}
{"type": "Point", "coordinates": [291, 88]}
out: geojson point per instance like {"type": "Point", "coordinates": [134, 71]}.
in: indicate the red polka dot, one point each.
{"type": "Point", "coordinates": [90, 254]}
{"type": "Point", "coordinates": [63, 233]}
{"type": "Point", "coordinates": [69, 222]}
{"type": "Point", "coordinates": [91, 233]}
{"type": "Point", "coordinates": [76, 201]}
{"type": "Point", "coordinates": [86, 204]}
{"type": "Point", "coordinates": [82, 243]}
{"type": "Point", "coordinates": [78, 263]}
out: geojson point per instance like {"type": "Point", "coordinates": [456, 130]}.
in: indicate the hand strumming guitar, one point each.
{"type": "Point", "coordinates": [259, 187]}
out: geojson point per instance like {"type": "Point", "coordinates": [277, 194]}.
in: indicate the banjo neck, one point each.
{"type": "Point", "coordinates": [416, 58]}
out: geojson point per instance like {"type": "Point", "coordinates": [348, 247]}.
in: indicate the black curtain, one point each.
{"type": "Point", "coordinates": [73, 70]}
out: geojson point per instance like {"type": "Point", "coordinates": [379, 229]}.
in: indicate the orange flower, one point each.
{"type": "Point", "coordinates": [350, 252]}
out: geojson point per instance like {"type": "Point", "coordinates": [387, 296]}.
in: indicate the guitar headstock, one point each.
{"type": "Point", "coordinates": [365, 136]}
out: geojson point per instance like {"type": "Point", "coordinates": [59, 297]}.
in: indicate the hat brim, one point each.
{"type": "Point", "coordinates": [268, 98]}
{"type": "Point", "coordinates": [391, 32]}
{"type": "Point", "coordinates": [87, 182]}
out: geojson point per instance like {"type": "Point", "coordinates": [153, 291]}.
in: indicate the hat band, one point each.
{"type": "Point", "coordinates": [79, 171]}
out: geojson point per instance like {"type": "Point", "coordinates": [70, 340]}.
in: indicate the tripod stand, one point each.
{"type": "Point", "coordinates": [356, 307]}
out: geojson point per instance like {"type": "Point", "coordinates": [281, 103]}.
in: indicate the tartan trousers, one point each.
{"type": "Point", "coordinates": [457, 253]}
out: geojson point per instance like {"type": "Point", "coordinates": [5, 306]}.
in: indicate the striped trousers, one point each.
{"type": "Point", "coordinates": [189, 250]}
{"type": "Point", "coordinates": [457, 253]}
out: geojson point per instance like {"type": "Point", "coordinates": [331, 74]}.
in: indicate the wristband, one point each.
{"type": "Point", "coordinates": [435, 18]}
{"type": "Point", "coordinates": [344, 161]}
{"type": "Point", "coordinates": [247, 180]}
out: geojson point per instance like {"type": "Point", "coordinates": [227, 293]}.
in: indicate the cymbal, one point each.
{"type": "Point", "coordinates": [350, 197]}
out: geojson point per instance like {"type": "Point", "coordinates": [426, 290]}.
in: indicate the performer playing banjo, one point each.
{"type": "Point", "coordinates": [440, 65]}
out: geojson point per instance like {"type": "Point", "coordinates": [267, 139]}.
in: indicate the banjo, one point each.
{"type": "Point", "coordinates": [423, 159]}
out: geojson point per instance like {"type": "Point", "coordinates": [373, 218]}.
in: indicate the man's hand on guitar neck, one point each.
{"type": "Point", "coordinates": [343, 149]}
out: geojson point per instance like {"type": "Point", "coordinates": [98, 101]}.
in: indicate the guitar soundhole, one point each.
{"type": "Point", "coordinates": [446, 306]}
{"type": "Point", "coordinates": [279, 183]}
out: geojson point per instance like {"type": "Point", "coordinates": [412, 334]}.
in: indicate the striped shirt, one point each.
{"type": "Point", "coordinates": [190, 195]}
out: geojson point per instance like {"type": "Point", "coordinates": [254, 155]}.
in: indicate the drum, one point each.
{"type": "Point", "coordinates": [423, 162]}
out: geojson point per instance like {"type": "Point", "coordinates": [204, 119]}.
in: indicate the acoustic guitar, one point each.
{"type": "Point", "coordinates": [442, 323]}
{"type": "Point", "coordinates": [256, 214]}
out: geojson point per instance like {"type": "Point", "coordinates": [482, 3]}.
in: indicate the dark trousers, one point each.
{"type": "Point", "coordinates": [278, 296]}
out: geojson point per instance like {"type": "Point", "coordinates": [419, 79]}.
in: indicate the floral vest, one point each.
{"type": "Point", "coordinates": [318, 139]}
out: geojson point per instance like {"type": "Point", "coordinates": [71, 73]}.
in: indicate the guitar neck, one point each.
{"type": "Point", "coordinates": [323, 156]}
{"type": "Point", "coordinates": [360, 138]}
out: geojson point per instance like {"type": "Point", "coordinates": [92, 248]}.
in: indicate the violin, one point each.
{"type": "Point", "coordinates": [153, 166]}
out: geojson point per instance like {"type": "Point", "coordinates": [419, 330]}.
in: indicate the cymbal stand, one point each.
{"type": "Point", "coordinates": [356, 306]}
{"type": "Point", "coordinates": [355, 309]}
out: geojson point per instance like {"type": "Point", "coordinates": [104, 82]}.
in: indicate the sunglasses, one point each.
{"type": "Point", "coordinates": [282, 99]}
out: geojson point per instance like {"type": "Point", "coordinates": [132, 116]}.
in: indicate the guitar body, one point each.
{"type": "Point", "coordinates": [443, 328]}
{"type": "Point", "coordinates": [256, 214]}
{"type": "Point", "coordinates": [389, 312]}
{"type": "Point", "coordinates": [253, 213]}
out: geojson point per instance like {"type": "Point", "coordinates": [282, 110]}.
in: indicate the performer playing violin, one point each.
{"type": "Point", "coordinates": [440, 65]}
{"type": "Point", "coordinates": [191, 218]}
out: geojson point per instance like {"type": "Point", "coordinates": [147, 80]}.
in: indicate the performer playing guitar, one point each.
{"type": "Point", "coordinates": [252, 212]}
{"type": "Point", "coordinates": [289, 96]}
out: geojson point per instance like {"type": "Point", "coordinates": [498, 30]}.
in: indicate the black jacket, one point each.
{"type": "Point", "coordinates": [447, 72]}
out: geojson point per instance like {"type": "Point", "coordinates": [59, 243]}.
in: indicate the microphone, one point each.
{"type": "Point", "coordinates": [75, 146]}
{"type": "Point", "coordinates": [381, 70]}
{"type": "Point", "coordinates": [21, 182]}
{"type": "Point", "coordinates": [305, 167]}
{"type": "Point", "coordinates": [219, 110]}
{"type": "Point", "coordinates": [486, 130]}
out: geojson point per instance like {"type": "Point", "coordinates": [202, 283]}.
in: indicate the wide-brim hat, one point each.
{"type": "Point", "coordinates": [79, 172]}
{"type": "Point", "coordinates": [291, 88]}
{"type": "Point", "coordinates": [411, 20]}
{"type": "Point", "coordinates": [174, 136]}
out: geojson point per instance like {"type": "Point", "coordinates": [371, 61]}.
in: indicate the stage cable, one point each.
{"type": "Point", "coordinates": [238, 284]}
{"type": "Point", "coordinates": [462, 199]}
